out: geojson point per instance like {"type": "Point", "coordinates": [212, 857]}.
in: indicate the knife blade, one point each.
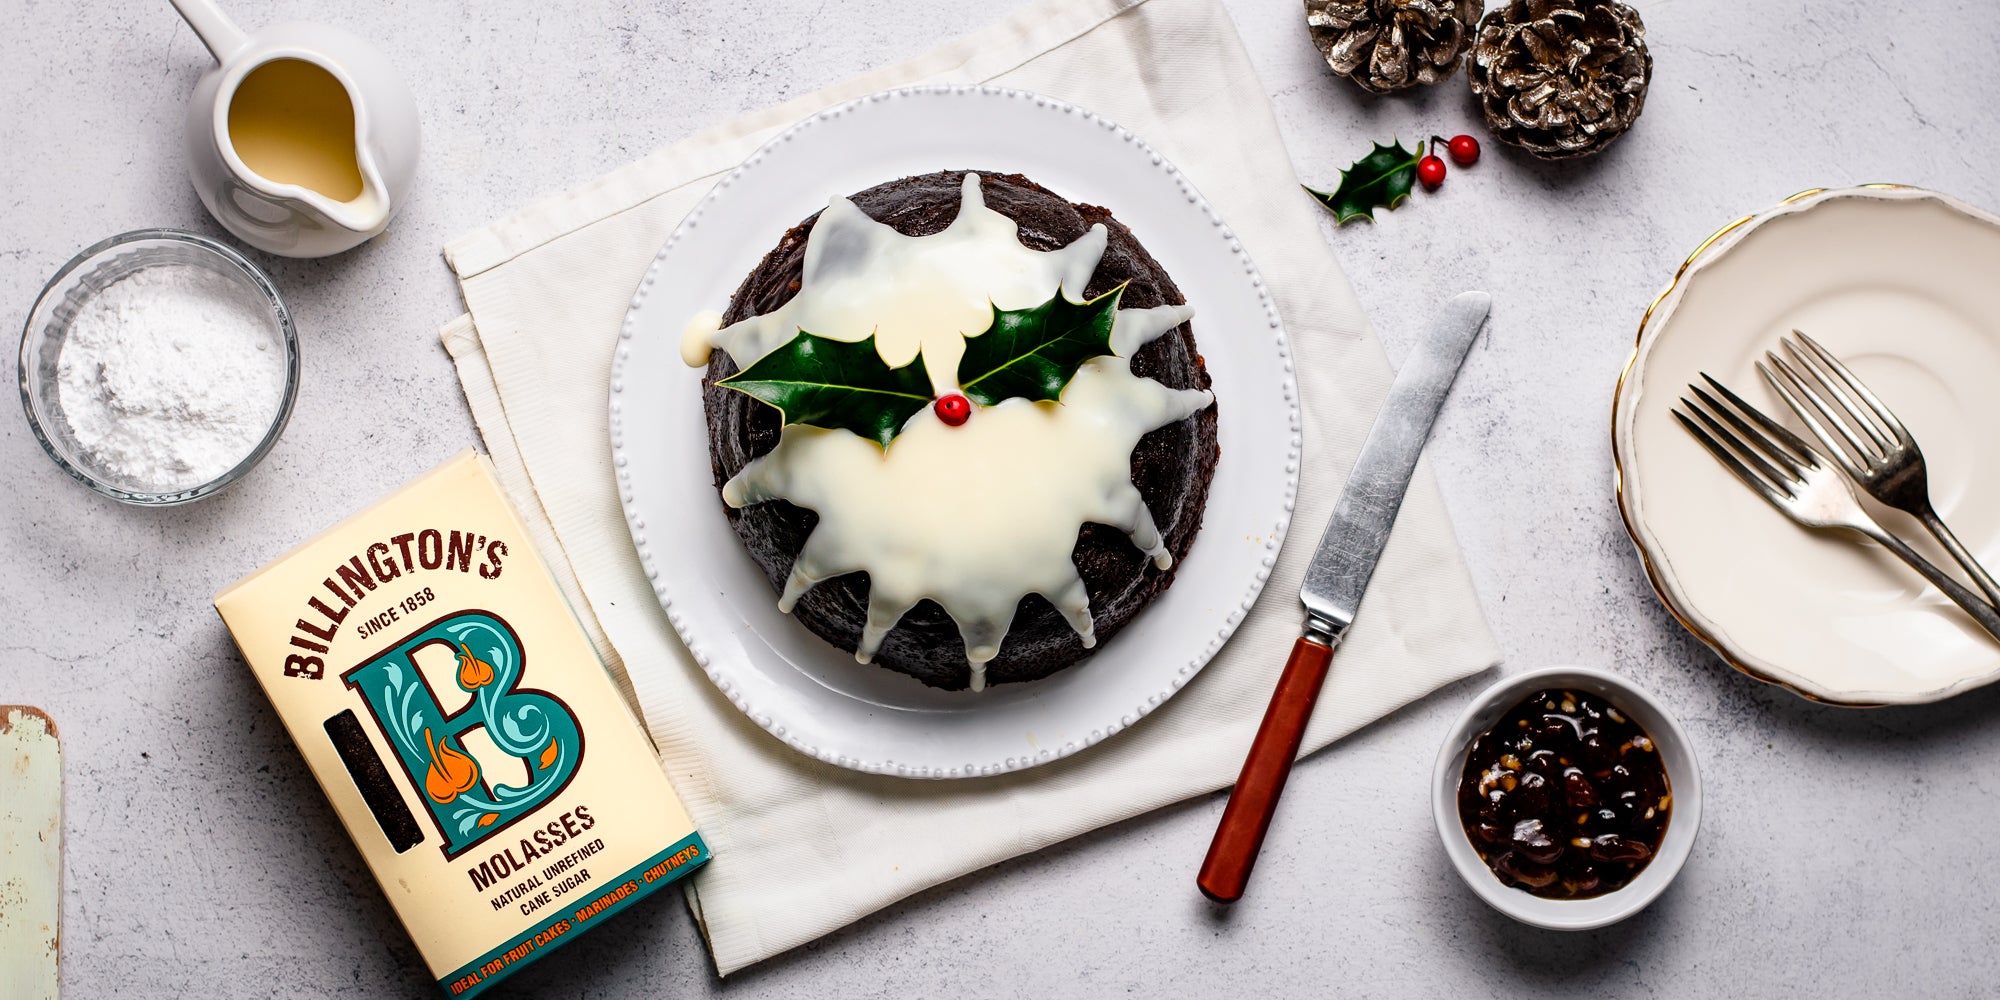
{"type": "Point", "coordinates": [1336, 579]}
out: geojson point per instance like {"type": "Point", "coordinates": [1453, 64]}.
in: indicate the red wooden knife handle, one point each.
{"type": "Point", "coordinates": [1247, 817]}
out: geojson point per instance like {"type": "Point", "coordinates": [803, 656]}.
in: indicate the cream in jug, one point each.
{"type": "Point", "coordinates": [302, 141]}
{"type": "Point", "coordinates": [291, 122]}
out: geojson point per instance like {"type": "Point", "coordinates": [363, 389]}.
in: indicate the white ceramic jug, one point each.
{"type": "Point", "coordinates": [282, 99]}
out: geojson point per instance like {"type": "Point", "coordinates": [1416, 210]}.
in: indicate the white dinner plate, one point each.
{"type": "Point", "coordinates": [1904, 286]}
{"type": "Point", "coordinates": [815, 697]}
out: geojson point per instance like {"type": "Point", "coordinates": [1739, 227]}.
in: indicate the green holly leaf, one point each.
{"type": "Point", "coordinates": [1033, 353]}
{"type": "Point", "coordinates": [1382, 179]}
{"type": "Point", "coordinates": [837, 384]}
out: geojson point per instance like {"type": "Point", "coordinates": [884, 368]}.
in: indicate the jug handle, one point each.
{"type": "Point", "coordinates": [212, 26]}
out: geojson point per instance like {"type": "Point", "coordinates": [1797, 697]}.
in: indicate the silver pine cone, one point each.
{"type": "Point", "coordinates": [1560, 78]}
{"type": "Point", "coordinates": [1389, 45]}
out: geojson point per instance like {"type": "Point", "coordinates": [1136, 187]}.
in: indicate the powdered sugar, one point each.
{"type": "Point", "coordinates": [170, 377]}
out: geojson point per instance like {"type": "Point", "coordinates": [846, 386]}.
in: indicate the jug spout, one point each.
{"type": "Point", "coordinates": [368, 213]}
{"type": "Point", "coordinates": [369, 210]}
{"type": "Point", "coordinates": [212, 26]}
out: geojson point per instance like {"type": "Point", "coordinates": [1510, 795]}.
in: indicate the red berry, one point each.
{"type": "Point", "coordinates": [953, 409]}
{"type": "Point", "coordinates": [1430, 170]}
{"type": "Point", "coordinates": [1464, 150]}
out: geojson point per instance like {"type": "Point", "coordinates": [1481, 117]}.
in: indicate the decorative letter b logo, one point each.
{"type": "Point", "coordinates": [532, 726]}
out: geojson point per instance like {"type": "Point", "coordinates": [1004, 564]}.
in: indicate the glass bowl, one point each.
{"type": "Point", "coordinates": [73, 288]}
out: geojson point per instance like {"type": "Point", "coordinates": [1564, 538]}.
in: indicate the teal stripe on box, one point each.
{"type": "Point", "coordinates": [615, 894]}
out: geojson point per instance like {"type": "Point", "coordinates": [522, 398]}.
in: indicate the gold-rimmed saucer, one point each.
{"type": "Point", "coordinates": [1898, 281]}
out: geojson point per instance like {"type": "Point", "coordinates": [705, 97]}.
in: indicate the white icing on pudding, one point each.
{"type": "Point", "coordinates": [977, 516]}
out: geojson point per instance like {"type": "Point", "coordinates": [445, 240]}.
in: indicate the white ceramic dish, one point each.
{"type": "Point", "coordinates": [1899, 283]}
{"type": "Point", "coordinates": [815, 697]}
{"type": "Point", "coordinates": [1683, 778]}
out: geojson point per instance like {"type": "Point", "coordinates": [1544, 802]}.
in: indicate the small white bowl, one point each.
{"type": "Point", "coordinates": [1683, 777]}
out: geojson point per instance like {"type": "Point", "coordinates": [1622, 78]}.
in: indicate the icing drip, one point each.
{"type": "Point", "coordinates": [978, 516]}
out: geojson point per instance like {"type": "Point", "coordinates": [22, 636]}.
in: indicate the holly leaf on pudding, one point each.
{"type": "Point", "coordinates": [1033, 353]}
{"type": "Point", "coordinates": [837, 384]}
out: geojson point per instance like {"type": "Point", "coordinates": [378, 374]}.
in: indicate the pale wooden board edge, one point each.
{"type": "Point", "coordinates": [31, 854]}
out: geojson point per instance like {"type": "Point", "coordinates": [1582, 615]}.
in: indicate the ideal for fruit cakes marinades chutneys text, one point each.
{"type": "Point", "coordinates": [1565, 797]}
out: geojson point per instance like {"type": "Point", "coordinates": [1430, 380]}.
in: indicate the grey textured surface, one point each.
{"type": "Point", "coordinates": [1843, 852]}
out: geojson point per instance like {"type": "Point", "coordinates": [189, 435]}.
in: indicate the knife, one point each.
{"type": "Point", "coordinates": [1335, 580]}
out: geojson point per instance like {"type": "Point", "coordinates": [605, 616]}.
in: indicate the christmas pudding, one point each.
{"type": "Point", "coordinates": [961, 424]}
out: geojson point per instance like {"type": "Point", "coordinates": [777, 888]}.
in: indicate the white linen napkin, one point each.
{"type": "Point", "coordinates": [802, 848]}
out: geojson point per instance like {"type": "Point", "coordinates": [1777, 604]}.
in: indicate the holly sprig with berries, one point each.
{"type": "Point", "coordinates": [1023, 353]}
{"type": "Point", "coordinates": [1385, 177]}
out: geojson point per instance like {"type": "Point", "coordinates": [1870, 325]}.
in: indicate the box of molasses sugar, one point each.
{"type": "Point", "coordinates": [462, 725]}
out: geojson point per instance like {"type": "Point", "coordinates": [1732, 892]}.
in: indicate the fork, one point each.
{"type": "Point", "coordinates": [1880, 454]}
{"type": "Point", "coordinates": [1789, 473]}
